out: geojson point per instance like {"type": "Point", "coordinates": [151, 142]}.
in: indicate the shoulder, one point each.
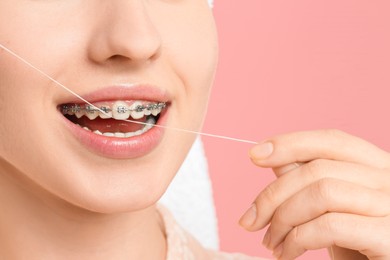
{"type": "Point", "coordinates": [229, 256]}
{"type": "Point", "coordinates": [181, 245]}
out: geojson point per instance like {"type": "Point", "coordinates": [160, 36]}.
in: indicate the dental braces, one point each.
{"type": "Point", "coordinates": [120, 109]}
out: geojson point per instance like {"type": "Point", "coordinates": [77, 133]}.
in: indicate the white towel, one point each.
{"type": "Point", "coordinates": [190, 198]}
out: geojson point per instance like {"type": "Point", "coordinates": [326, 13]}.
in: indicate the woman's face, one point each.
{"type": "Point", "coordinates": [125, 57]}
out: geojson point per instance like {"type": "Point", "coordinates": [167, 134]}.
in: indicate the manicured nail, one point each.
{"type": "Point", "coordinates": [278, 251]}
{"type": "Point", "coordinates": [267, 238]}
{"type": "Point", "coordinates": [248, 219]}
{"type": "Point", "coordinates": [261, 151]}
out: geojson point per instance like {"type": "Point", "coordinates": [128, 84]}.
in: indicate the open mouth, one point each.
{"type": "Point", "coordinates": [121, 119]}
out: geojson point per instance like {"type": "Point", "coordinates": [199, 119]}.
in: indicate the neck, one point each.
{"type": "Point", "coordinates": [37, 225]}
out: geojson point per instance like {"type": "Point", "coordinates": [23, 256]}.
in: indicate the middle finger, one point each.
{"type": "Point", "coordinates": [287, 185]}
{"type": "Point", "coordinates": [326, 195]}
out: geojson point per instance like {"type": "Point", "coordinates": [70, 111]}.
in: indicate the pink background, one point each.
{"type": "Point", "coordinates": [288, 66]}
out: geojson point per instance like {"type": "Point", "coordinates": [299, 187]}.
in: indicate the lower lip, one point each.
{"type": "Point", "coordinates": [120, 148]}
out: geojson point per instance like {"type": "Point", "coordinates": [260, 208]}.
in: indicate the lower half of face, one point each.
{"type": "Point", "coordinates": [149, 62]}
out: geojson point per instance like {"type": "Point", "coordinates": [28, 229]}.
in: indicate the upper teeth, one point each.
{"type": "Point", "coordinates": [119, 110]}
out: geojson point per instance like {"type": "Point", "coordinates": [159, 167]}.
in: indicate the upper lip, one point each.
{"type": "Point", "coordinates": [123, 92]}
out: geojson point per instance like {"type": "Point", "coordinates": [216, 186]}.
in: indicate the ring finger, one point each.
{"type": "Point", "coordinates": [326, 195]}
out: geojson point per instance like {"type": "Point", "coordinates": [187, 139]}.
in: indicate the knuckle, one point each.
{"type": "Point", "coordinates": [295, 237]}
{"type": "Point", "coordinates": [268, 195]}
{"type": "Point", "coordinates": [316, 169]}
{"type": "Point", "coordinates": [323, 189]}
{"type": "Point", "coordinates": [280, 217]}
{"type": "Point", "coordinates": [331, 224]}
{"type": "Point", "coordinates": [381, 238]}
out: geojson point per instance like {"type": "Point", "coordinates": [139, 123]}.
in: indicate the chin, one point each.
{"type": "Point", "coordinates": [119, 187]}
{"type": "Point", "coordinates": [113, 200]}
{"type": "Point", "coordinates": [120, 203]}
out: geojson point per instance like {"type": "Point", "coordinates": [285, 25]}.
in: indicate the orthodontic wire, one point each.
{"type": "Point", "coordinates": [126, 120]}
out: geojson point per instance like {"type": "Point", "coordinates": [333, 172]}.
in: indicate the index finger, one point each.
{"type": "Point", "coordinates": [322, 144]}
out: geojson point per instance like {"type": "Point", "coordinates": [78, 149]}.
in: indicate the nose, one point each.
{"type": "Point", "coordinates": [124, 31]}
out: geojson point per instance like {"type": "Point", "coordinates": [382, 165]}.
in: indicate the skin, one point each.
{"type": "Point", "coordinates": [341, 186]}
{"type": "Point", "coordinates": [62, 200]}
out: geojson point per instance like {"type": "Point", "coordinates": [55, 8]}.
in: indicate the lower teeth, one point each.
{"type": "Point", "coordinates": [150, 122]}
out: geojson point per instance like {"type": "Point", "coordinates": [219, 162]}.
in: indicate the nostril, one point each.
{"type": "Point", "coordinates": [125, 34]}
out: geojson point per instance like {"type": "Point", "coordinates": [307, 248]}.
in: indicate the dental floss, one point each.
{"type": "Point", "coordinates": [131, 121]}
{"type": "Point", "coordinates": [126, 120]}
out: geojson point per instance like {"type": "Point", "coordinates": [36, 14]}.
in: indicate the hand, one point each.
{"type": "Point", "coordinates": [333, 189]}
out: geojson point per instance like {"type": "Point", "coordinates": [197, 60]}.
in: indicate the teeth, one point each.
{"type": "Point", "coordinates": [156, 111]}
{"type": "Point", "coordinates": [121, 135]}
{"type": "Point", "coordinates": [148, 125]}
{"type": "Point", "coordinates": [97, 132]}
{"type": "Point", "coordinates": [108, 113]}
{"type": "Point", "coordinates": [150, 122]}
{"type": "Point", "coordinates": [130, 134]}
{"type": "Point", "coordinates": [137, 113]}
{"type": "Point", "coordinates": [92, 116]}
{"type": "Point", "coordinates": [66, 110]}
{"type": "Point", "coordinates": [90, 112]}
{"type": "Point", "coordinates": [120, 110]}
{"type": "Point", "coordinates": [147, 112]}
{"type": "Point", "coordinates": [78, 112]}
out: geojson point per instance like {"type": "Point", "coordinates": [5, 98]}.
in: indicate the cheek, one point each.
{"type": "Point", "coordinates": [22, 134]}
{"type": "Point", "coordinates": [196, 55]}
{"type": "Point", "coordinates": [193, 50]}
{"type": "Point", "coordinates": [9, 103]}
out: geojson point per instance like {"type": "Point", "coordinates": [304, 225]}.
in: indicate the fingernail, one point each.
{"type": "Point", "coordinates": [248, 219]}
{"type": "Point", "coordinates": [261, 151]}
{"type": "Point", "coordinates": [267, 238]}
{"type": "Point", "coordinates": [278, 251]}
